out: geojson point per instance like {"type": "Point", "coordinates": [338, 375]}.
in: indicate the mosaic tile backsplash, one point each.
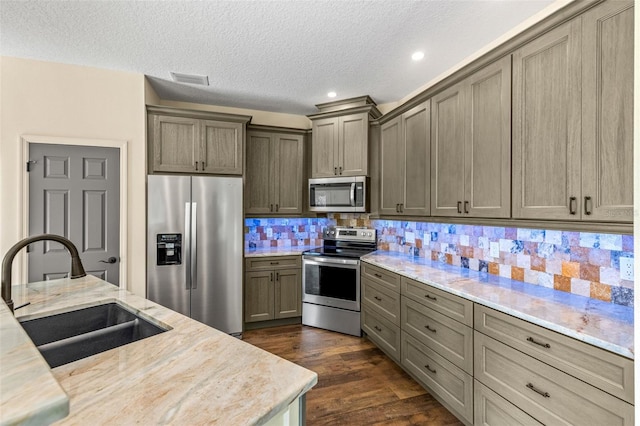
{"type": "Point", "coordinates": [582, 263]}
{"type": "Point", "coordinates": [264, 233]}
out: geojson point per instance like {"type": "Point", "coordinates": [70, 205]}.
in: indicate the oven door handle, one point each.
{"type": "Point", "coordinates": [352, 194]}
{"type": "Point", "coordinates": [344, 263]}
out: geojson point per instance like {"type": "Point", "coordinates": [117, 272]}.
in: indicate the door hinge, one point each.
{"type": "Point", "coordinates": [29, 163]}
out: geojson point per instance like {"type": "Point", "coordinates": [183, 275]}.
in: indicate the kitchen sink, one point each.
{"type": "Point", "coordinates": [73, 335]}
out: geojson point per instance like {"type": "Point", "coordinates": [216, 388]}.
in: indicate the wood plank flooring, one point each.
{"type": "Point", "coordinates": [357, 383]}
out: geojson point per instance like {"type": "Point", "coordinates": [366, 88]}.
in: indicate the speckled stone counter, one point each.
{"type": "Point", "coordinates": [601, 324]}
{"type": "Point", "coordinates": [277, 251]}
{"type": "Point", "coordinates": [191, 374]}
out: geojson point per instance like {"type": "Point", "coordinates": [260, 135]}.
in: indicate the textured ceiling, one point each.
{"type": "Point", "coordinates": [281, 56]}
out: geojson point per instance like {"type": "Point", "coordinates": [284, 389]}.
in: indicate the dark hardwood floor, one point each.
{"type": "Point", "coordinates": [357, 383]}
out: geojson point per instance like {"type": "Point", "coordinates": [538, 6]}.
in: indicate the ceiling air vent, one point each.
{"type": "Point", "coordinates": [201, 80]}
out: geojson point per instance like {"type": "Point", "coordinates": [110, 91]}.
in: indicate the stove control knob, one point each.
{"type": "Point", "coordinates": [369, 234]}
{"type": "Point", "coordinates": [363, 234]}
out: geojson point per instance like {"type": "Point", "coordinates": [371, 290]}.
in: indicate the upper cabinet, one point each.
{"type": "Point", "coordinates": [547, 125]}
{"type": "Point", "coordinates": [405, 162]}
{"type": "Point", "coordinates": [274, 179]}
{"type": "Point", "coordinates": [572, 119]}
{"type": "Point", "coordinates": [471, 145]}
{"type": "Point", "coordinates": [340, 137]}
{"type": "Point", "coordinates": [194, 142]}
{"type": "Point", "coordinates": [607, 112]}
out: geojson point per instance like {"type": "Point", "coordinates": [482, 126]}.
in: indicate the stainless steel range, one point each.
{"type": "Point", "coordinates": [331, 279]}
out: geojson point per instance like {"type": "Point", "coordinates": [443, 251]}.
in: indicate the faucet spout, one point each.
{"type": "Point", "coordinates": [77, 270]}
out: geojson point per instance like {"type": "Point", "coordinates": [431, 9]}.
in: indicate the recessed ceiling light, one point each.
{"type": "Point", "coordinates": [332, 94]}
{"type": "Point", "coordinates": [417, 56]}
{"type": "Point", "coordinates": [179, 77]}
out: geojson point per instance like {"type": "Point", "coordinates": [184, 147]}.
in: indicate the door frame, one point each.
{"type": "Point", "coordinates": [122, 147]}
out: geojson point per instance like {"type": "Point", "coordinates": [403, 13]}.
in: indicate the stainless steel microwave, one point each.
{"type": "Point", "coordinates": [340, 194]}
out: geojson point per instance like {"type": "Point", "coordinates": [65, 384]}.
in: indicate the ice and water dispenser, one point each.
{"type": "Point", "coordinates": [169, 249]}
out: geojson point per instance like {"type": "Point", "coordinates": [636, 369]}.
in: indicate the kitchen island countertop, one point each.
{"type": "Point", "coordinates": [605, 325]}
{"type": "Point", "coordinates": [191, 374]}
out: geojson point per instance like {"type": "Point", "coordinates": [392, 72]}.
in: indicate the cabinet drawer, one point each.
{"type": "Point", "coordinates": [381, 276]}
{"type": "Point", "coordinates": [384, 334]}
{"type": "Point", "coordinates": [598, 367]}
{"type": "Point", "coordinates": [383, 301]}
{"type": "Point", "coordinates": [447, 337]}
{"type": "Point", "coordinates": [446, 303]}
{"type": "Point", "coordinates": [274, 262]}
{"type": "Point", "coordinates": [547, 394]}
{"type": "Point", "coordinates": [451, 384]}
{"type": "Point", "coordinates": [491, 409]}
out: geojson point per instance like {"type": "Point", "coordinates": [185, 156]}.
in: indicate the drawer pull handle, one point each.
{"type": "Point", "coordinates": [377, 275]}
{"type": "Point", "coordinates": [430, 297]}
{"type": "Point", "coordinates": [377, 298]}
{"type": "Point", "coordinates": [538, 391]}
{"type": "Point", "coordinates": [544, 345]}
{"type": "Point", "coordinates": [433, 330]}
{"type": "Point", "coordinates": [430, 369]}
{"type": "Point", "coordinates": [377, 328]}
{"type": "Point", "coordinates": [275, 263]}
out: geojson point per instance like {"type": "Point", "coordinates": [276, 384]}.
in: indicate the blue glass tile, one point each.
{"type": "Point", "coordinates": [536, 235]}
{"type": "Point", "coordinates": [622, 296]}
{"type": "Point", "coordinates": [483, 266]}
{"type": "Point", "coordinates": [589, 240]}
{"type": "Point", "coordinates": [546, 250]}
{"type": "Point", "coordinates": [611, 242]}
{"type": "Point", "coordinates": [464, 262]}
{"type": "Point", "coordinates": [517, 247]}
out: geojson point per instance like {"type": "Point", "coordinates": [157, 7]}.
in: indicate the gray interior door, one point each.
{"type": "Point", "coordinates": [74, 191]}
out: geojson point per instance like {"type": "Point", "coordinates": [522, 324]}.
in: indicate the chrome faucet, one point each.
{"type": "Point", "coordinates": [77, 270]}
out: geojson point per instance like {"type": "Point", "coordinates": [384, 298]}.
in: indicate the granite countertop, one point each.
{"type": "Point", "coordinates": [191, 374]}
{"type": "Point", "coordinates": [601, 324]}
{"type": "Point", "coordinates": [276, 251]}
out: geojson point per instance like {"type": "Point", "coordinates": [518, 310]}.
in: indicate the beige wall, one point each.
{"type": "Point", "coordinates": [51, 99]}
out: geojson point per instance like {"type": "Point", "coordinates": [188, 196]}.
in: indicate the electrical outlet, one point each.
{"type": "Point", "coordinates": [494, 249]}
{"type": "Point", "coordinates": [626, 268]}
{"type": "Point", "coordinates": [410, 237]}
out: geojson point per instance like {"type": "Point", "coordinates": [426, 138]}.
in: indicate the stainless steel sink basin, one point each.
{"type": "Point", "coordinates": [70, 336]}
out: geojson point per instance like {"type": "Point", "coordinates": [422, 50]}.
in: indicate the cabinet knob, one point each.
{"type": "Point", "coordinates": [335, 171]}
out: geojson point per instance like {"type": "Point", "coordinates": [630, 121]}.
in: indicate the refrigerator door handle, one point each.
{"type": "Point", "coordinates": [194, 245]}
{"type": "Point", "coordinates": [187, 242]}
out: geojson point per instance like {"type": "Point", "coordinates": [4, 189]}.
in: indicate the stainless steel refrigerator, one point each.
{"type": "Point", "coordinates": [194, 248]}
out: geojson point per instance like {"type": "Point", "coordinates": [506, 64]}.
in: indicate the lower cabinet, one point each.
{"type": "Point", "coordinates": [490, 368]}
{"type": "Point", "coordinates": [380, 331]}
{"type": "Point", "coordinates": [491, 409]}
{"type": "Point", "coordinates": [273, 288]}
{"type": "Point", "coordinates": [545, 393]}
{"type": "Point", "coordinates": [449, 383]}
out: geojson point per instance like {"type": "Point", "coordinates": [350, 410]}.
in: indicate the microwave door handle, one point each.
{"type": "Point", "coordinates": [352, 196]}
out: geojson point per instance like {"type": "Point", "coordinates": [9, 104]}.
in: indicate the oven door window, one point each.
{"type": "Point", "coordinates": [331, 281]}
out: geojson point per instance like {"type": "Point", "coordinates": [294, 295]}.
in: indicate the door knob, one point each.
{"type": "Point", "coordinates": [112, 259]}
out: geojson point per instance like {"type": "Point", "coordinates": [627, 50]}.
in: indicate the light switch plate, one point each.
{"type": "Point", "coordinates": [626, 268]}
{"type": "Point", "coordinates": [410, 237]}
{"type": "Point", "coordinates": [494, 249]}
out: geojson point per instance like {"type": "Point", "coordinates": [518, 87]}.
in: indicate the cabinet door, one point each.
{"type": "Point", "coordinates": [488, 148]}
{"type": "Point", "coordinates": [258, 182]}
{"type": "Point", "coordinates": [547, 125]}
{"type": "Point", "coordinates": [392, 167]}
{"type": "Point", "coordinates": [221, 147]}
{"type": "Point", "coordinates": [258, 296]}
{"type": "Point", "coordinates": [353, 145]}
{"type": "Point", "coordinates": [324, 155]}
{"type": "Point", "coordinates": [288, 293]}
{"type": "Point", "coordinates": [607, 112]}
{"type": "Point", "coordinates": [417, 160]}
{"type": "Point", "coordinates": [174, 143]}
{"type": "Point", "coordinates": [286, 161]}
{"type": "Point", "coordinates": [447, 152]}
